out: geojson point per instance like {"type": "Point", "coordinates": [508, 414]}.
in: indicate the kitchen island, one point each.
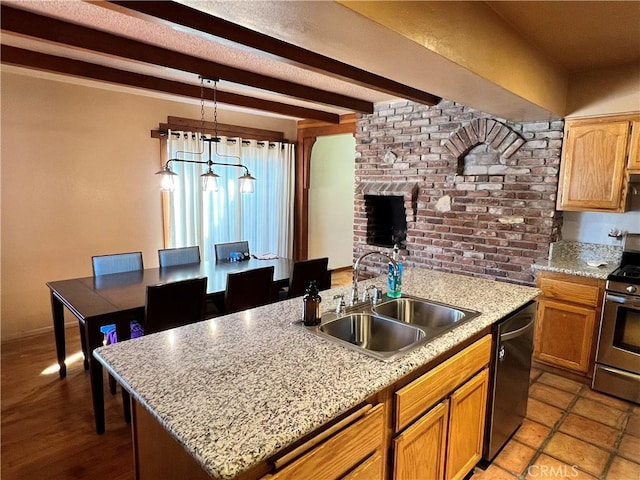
{"type": "Point", "coordinates": [233, 391]}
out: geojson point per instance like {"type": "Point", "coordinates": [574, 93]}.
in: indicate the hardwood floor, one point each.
{"type": "Point", "coordinates": [47, 422]}
{"type": "Point", "coordinates": [340, 277]}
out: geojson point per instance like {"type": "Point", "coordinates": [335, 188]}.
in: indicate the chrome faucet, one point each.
{"type": "Point", "coordinates": [356, 268]}
{"type": "Point", "coordinates": [340, 306]}
{"type": "Point", "coordinates": [374, 297]}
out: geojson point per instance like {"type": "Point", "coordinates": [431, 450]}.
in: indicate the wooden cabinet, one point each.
{"type": "Point", "coordinates": [634, 149]}
{"type": "Point", "coordinates": [466, 426]}
{"type": "Point", "coordinates": [346, 448]}
{"type": "Point", "coordinates": [371, 469]}
{"type": "Point", "coordinates": [594, 171]}
{"type": "Point", "coordinates": [420, 451]}
{"type": "Point", "coordinates": [567, 321]}
{"type": "Point", "coordinates": [445, 441]}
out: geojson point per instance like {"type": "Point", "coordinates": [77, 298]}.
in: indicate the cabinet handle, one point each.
{"type": "Point", "coordinates": [287, 458]}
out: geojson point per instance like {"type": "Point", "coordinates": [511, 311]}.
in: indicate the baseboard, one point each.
{"type": "Point", "coordinates": [341, 269]}
{"type": "Point", "coordinates": [35, 332]}
{"type": "Point", "coordinates": [561, 372]}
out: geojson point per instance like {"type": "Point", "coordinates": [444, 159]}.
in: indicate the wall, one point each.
{"type": "Point", "coordinates": [331, 199]}
{"type": "Point", "coordinates": [78, 168]}
{"type": "Point", "coordinates": [487, 215]}
{"type": "Point", "coordinates": [594, 227]}
{"type": "Point", "coordinates": [604, 92]}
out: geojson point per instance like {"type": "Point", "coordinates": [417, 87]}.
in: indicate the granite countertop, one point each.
{"type": "Point", "coordinates": [576, 258]}
{"type": "Point", "coordinates": [234, 390]}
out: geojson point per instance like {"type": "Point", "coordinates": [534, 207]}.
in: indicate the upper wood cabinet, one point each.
{"type": "Point", "coordinates": [634, 149]}
{"type": "Point", "coordinates": [594, 172]}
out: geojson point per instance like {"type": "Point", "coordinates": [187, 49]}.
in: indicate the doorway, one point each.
{"type": "Point", "coordinates": [331, 199]}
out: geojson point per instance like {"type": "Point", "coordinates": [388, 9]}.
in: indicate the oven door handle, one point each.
{"type": "Point", "coordinates": [623, 300]}
{"type": "Point", "coordinates": [619, 373]}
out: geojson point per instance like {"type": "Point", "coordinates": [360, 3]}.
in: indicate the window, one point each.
{"type": "Point", "coordinates": [264, 218]}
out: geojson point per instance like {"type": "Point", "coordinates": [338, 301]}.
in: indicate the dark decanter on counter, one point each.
{"type": "Point", "coordinates": [311, 305]}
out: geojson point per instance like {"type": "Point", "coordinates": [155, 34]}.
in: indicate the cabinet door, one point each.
{"type": "Point", "coordinates": [370, 469]}
{"type": "Point", "coordinates": [564, 335]}
{"type": "Point", "coordinates": [466, 426]}
{"type": "Point", "coordinates": [419, 452]}
{"type": "Point", "coordinates": [592, 173]}
{"type": "Point", "coordinates": [634, 149]}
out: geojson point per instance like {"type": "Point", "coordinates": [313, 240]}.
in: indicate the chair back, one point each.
{"type": "Point", "coordinates": [223, 250]}
{"type": "Point", "coordinates": [306, 270]}
{"type": "Point", "coordinates": [173, 304]}
{"type": "Point", "coordinates": [248, 289]}
{"type": "Point", "coordinates": [116, 263]}
{"type": "Point", "coordinates": [169, 257]}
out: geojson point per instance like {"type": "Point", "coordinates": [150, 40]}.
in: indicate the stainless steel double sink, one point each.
{"type": "Point", "coordinates": [392, 328]}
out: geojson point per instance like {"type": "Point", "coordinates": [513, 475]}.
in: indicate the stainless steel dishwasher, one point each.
{"type": "Point", "coordinates": [509, 378]}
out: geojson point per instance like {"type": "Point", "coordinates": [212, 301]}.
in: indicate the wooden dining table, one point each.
{"type": "Point", "coordinates": [120, 297]}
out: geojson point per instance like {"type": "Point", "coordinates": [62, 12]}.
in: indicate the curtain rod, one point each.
{"type": "Point", "coordinates": [260, 143]}
{"type": "Point", "coordinates": [164, 133]}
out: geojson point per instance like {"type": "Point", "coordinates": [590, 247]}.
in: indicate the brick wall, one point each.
{"type": "Point", "coordinates": [486, 192]}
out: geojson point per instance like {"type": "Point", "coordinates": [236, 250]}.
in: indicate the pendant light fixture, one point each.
{"type": "Point", "coordinates": [209, 178]}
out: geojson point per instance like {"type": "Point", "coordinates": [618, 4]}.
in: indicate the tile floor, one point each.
{"type": "Point", "coordinates": [570, 432]}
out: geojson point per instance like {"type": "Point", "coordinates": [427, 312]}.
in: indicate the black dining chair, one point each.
{"type": "Point", "coordinates": [109, 264]}
{"type": "Point", "coordinates": [248, 289]}
{"type": "Point", "coordinates": [170, 305]}
{"type": "Point", "coordinates": [303, 272]}
{"type": "Point", "coordinates": [168, 257]}
{"type": "Point", "coordinates": [106, 265]}
{"type": "Point", "coordinates": [223, 250]}
{"type": "Point", "coordinates": [116, 263]}
{"type": "Point", "coordinates": [174, 304]}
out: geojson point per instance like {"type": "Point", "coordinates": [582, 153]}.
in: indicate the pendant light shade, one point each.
{"type": "Point", "coordinates": [210, 181]}
{"type": "Point", "coordinates": [247, 182]}
{"type": "Point", "coordinates": [168, 178]}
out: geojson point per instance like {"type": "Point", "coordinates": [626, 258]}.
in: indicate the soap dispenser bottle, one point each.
{"type": "Point", "coordinates": [311, 305]}
{"type": "Point", "coordinates": [394, 279]}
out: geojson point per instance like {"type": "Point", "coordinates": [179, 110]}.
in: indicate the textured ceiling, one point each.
{"type": "Point", "coordinates": [577, 36]}
{"type": "Point", "coordinates": [154, 33]}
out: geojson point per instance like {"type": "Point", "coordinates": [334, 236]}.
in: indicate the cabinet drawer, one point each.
{"type": "Point", "coordinates": [339, 453]}
{"type": "Point", "coordinates": [417, 397]}
{"type": "Point", "coordinates": [570, 291]}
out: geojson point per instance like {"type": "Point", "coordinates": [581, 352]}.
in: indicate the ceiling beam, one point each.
{"type": "Point", "coordinates": [50, 29]}
{"type": "Point", "coordinates": [27, 58]}
{"type": "Point", "coordinates": [201, 22]}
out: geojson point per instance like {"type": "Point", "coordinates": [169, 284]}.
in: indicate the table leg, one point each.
{"type": "Point", "coordinates": [93, 338]}
{"type": "Point", "coordinates": [123, 327]}
{"type": "Point", "coordinates": [83, 342]}
{"type": "Point", "coordinates": [57, 310]}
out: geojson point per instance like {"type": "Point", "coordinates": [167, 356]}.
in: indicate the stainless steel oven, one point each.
{"type": "Point", "coordinates": [617, 369]}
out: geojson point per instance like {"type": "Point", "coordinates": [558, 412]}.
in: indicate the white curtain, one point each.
{"type": "Point", "coordinates": [264, 218]}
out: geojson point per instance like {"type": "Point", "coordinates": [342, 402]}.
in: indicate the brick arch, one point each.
{"type": "Point", "coordinates": [497, 135]}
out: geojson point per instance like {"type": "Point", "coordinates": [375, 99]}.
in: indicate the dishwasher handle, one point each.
{"type": "Point", "coordinates": [519, 332]}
